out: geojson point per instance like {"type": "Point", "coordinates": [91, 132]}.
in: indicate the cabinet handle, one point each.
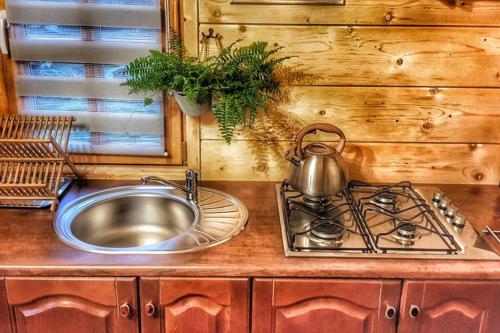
{"type": "Point", "coordinates": [414, 311]}
{"type": "Point", "coordinates": [125, 310]}
{"type": "Point", "coordinates": [149, 309]}
{"type": "Point", "coordinates": [390, 312]}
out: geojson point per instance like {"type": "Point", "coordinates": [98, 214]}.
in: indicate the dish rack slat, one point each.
{"type": "Point", "coordinates": [32, 157]}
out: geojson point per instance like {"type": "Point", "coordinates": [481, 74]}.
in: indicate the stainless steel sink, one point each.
{"type": "Point", "coordinates": [149, 219]}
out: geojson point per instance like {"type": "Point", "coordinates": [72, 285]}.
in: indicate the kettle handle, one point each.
{"type": "Point", "coordinates": [291, 155]}
{"type": "Point", "coordinates": [323, 127]}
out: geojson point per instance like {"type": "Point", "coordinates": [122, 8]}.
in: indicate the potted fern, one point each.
{"type": "Point", "coordinates": [189, 80]}
{"type": "Point", "coordinates": [238, 83]}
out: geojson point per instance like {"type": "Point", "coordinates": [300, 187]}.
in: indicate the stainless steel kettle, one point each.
{"type": "Point", "coordinates": [317, 170]}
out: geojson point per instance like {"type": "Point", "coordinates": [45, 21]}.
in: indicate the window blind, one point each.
{"type": "Point", "coordinates": [70, 57]}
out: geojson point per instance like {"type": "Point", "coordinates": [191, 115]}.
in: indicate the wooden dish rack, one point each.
{"type": "Point", "coordinates": [32, 157]}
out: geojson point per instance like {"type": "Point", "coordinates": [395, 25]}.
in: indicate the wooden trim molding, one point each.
{"type": "Point", "coordinates": [8, 101]}
{"type": "Point", "coordinates": [289, 2]}
{"type": "Point", "coordinates": [4, 100]}
{"type": "Point", "coordinates": [189, 33]}
{"type": "Point", "coordinates": [354, 13]}
{"type": "Point", "coordinates": [102, 171]}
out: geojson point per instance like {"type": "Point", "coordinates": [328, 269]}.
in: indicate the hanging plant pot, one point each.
{"type": "Point", "coordinates": [190, 108]}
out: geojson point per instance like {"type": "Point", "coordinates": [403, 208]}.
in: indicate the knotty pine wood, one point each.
{"type": "Point", "coordinates": [382, 114]}
{"type": "Point", "coordinates": [414, 85]}
{"type": "Point", "coordinates": [28, 245]}
{"type": "Point", "coordinates": [190, 32]}
{"type": "Point", "coordinates": [357, 12]}
{"type": "Point", "coordinates": [375, 162]}
{"type": "Point", "coordinates": [387, 56]}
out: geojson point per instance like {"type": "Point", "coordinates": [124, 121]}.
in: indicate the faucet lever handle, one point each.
{"type": "Point", "coordinates": [192, 184]}
{"type": "Point", "coordinates": [147, 179]}
{"type": "Point", "coordinates": [192, 174]}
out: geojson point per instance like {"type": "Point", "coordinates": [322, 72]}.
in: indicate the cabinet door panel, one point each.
{"type": "Point", "coordinates": [318, 306]}
{"type": "Point", "coordinates": [450, 306]}
{"type": "Point", "coordinates": [72, 305]}
{"type": "Point", "coordinates": [199, 314]}
{"type": "Point", "coordinates": [323, 311]}
{"type": "Point", "coordinates": [198, 305]}
{"type": "Point", "coordinates": [62, 314]}
{"type": "Point", "coordinates": [4, 309]}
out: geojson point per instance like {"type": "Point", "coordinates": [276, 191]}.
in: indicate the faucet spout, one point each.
{"type": "Point", "coordinates": [191, 187]}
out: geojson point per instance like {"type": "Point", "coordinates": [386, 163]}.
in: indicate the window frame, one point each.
{"type": "Point", "coordinates": [174, 121]}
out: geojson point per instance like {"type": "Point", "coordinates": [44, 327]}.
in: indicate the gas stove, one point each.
{"type": "Point", "coordinates": [380, 221]}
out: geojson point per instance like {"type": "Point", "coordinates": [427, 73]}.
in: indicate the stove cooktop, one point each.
{"type": "Point", "coordinates": [378, 221]}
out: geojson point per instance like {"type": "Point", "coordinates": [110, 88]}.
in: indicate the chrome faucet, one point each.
{"type": "Point", "coordinates": [191, 187]}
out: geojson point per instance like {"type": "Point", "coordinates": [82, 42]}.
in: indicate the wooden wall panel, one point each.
{"type": "Point", "coordinates": [384, 56]}
{"type": "Point", "coordinates": [414, 85]}
{"type": "Point", "coordinates": [4, 104]}
{"type": "Point", "coordinates": [384, 114]}
{"type": "Point", "coordinates": [357, 12]}
{"type": "Point", "coordinates": [190, 34]}
{"type": "Point", "coordinates": [377, 162]}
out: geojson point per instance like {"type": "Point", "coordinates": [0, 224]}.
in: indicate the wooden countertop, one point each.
{"type": "Point", "coordinates": [28, 245]}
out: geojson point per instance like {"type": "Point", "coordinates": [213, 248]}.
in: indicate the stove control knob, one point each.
{"type": "Point", "coordinates": [444, 204]}
{"type": "Point", "coordinates": [451, 211]}
{"type": "Point", "coordinates": [438, 196]}
{"type": "Point", "coordinates": [459, 220]}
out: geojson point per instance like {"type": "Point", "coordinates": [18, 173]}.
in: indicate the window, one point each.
{"type": "Point", "coordinates": [70, 56]}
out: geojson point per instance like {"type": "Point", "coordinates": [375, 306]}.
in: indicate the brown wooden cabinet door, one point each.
{"type": "Point", "coordinates": [4, 309]}
{"type": "Point", "coordinates": [450, 307]}
{"type": "Point", "coordinates": [324, 306]}
{"type": "Point", "coordinates": [187, 305]}
{"type": "Point", "coordinates": [72, 305]}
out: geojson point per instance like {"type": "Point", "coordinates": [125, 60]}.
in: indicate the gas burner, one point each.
{"type": "Point", "coordinates": [324, 207]}
{"type": "Point", "coordinates": [406, 234]}
{"type": "Point", "coordinates": [317, 204]}
{"type": "Point", "coordinates": [385, 199]}
{"type": "Point", "coordinates": [327, 233]}
{"type": "Point", "coordinates": [327, 230]}
{"type": "Point", "coordinates": [407, 230]}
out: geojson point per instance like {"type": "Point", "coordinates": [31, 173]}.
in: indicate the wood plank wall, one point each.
{"type": "Point", "coordinates": [4, 108]}
{"type": "Point", "coordinates": [414, 84]}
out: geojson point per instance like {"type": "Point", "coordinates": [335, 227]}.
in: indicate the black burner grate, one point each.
{"type": "Point", "coordinates": [404, 226]}
{"type": "Point", "coordinates": [382, 219]}
{"type": "Point", "coordinates": [324, 223]}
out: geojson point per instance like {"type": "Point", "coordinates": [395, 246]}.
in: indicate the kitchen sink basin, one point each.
{"type": "Point", "coordinates": [149, 219]}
